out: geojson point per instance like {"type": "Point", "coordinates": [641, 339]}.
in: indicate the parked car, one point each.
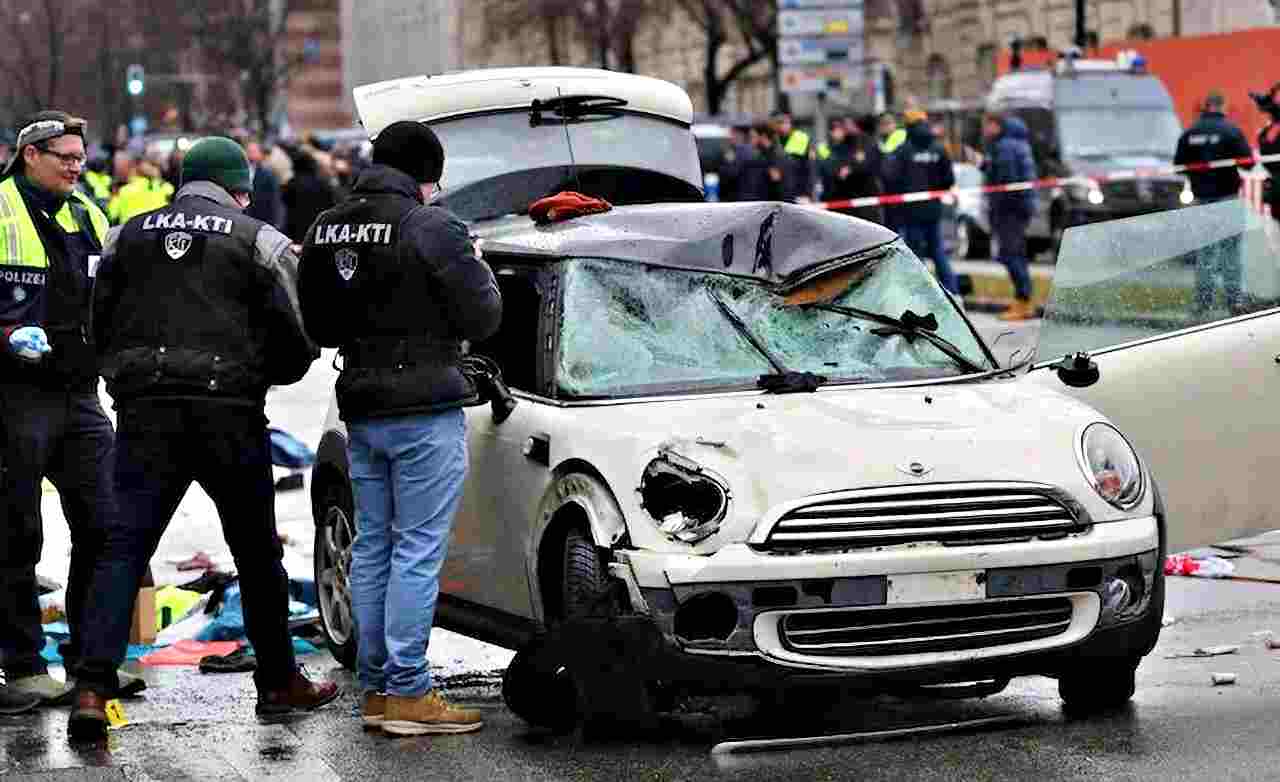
{"type": "Point", "coordinates": [765, 442]}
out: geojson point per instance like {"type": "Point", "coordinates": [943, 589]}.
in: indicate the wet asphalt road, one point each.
{"type": "Point", "coordinates": [1179, 727]}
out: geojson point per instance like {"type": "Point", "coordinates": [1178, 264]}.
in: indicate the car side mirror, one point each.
{"type": "Point", "coordinates": [1078, 371]}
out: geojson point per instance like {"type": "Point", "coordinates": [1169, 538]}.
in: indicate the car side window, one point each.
{"type": "Point", "coordinates": [515, 345]}
{"type": "Point", "coordinates": [1128, 280]}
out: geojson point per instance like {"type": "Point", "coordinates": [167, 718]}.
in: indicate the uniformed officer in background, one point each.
{"type": "Point", "coordinates": [1269, 144]}
{"type": "Point", "coordinates": [1213, 137]}
{"type": "Point", "coordinates": [51, 422]}
{"type": "Point", "coordinates": [196, 315]}
{"type": "Point", "coordinates": [398, 285]}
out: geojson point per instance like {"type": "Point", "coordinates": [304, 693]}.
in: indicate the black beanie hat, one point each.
{"type": "Point", "coordinates": [412, 148]}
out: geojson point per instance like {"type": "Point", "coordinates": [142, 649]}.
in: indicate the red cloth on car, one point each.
{"type": "Point", "coordinates": [564, 205]}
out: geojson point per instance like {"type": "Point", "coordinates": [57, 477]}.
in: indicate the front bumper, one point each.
{"type": "Point", "coordinates": [723, 619]}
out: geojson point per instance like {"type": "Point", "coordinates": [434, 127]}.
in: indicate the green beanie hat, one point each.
{"type": "Point", "coordinates": [218, 160]}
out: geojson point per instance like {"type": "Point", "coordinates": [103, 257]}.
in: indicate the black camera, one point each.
{"type": "Point", "coordinates": [1265, 103]}
{"type": "Point", "coordinates": [487, 377]}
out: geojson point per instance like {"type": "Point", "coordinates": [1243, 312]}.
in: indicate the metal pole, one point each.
{"type": "Point", "coordinates": [1081, 40]}
{"type": "Point", "coordinates": [1177, 18]}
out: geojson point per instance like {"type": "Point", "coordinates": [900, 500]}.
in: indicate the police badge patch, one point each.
{"type": "Point", "coordinates": [346, 261]}
{"type": "Point", "coordinates": [177, 243]}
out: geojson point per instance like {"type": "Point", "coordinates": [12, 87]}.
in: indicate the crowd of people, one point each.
{"type": "Point", "coordinates": [874, 155]}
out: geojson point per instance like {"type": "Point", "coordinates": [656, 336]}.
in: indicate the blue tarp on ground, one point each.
{"type": "Point", "coordinates": [50, 651]}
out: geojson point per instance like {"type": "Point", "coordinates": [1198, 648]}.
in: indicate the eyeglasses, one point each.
{"type": "Point", "coordinates": [69, 159]}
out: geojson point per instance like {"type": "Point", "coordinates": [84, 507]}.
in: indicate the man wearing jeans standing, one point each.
{"type": "Point", "coordinates": [397, 286]}
{"type": "Point", "coordinates": [1008, 160]}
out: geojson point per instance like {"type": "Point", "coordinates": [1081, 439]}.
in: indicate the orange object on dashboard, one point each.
{"type": "Point", "coordinates": [566, 205]}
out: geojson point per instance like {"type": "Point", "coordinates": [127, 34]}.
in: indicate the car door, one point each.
{"type": "Point", "coordinates": [491, 534]}
{"type": "Point", "coordinates": [1188, 359]}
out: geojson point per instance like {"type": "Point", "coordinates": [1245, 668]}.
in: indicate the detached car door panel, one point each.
{"type": "Point", "coordinates": [1179, 312]}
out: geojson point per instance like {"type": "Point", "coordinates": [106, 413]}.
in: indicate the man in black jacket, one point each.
{"type": "Point", "coordinates": [196, 315]}
{"type": "Point", "coordinates": [850, 168]}
{"type": "Point", "coordinates": [1211, 138]}
{"type": "Point", "coordinates": [398, 286]}
{"type": "Point", "coordinates": [1269, 144]}
{"type": "Point", "coordinates": [51, 422]}
{"type": "Point", "coordinates": [921, 164]}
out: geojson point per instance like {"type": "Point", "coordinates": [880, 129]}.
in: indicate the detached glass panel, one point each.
{"type": "Point", "coordinates": [1128, 280]}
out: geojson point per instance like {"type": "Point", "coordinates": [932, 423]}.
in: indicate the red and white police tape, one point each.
{"type": "Point", "coordinates": [1252, 188]}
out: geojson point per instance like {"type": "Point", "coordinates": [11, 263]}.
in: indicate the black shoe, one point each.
{"type": "Point", "coordinates": [88, 720]}
{"type": "Point", "coordinates": [15, 702]}
{"type": "Point", "coordinates": [236, 662]}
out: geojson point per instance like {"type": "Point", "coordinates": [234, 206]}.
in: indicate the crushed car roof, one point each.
{"type": "Point", "coordinates": [434, 98]}
{"type": "Point", "coordinates": [781, 243]}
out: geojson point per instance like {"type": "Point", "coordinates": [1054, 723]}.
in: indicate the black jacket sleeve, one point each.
{"type": "Point", "coordinates": [289, 350]}
{"type": "Point", "coordinates": [442, 244]}
{"type": "Point", "coordinates": [317, 283]}
{"type": "Point", "coordinates": [1239, 147]}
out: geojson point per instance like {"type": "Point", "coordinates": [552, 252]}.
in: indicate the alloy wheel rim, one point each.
{"type": "Point", "coordinates": [333, 587]}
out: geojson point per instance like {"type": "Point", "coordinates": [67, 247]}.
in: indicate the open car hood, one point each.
{"type": "Point", "coordinates": [779, 243]}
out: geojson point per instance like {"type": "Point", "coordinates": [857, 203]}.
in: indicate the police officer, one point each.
{"type": "Point", "coordinates": [398, 285]}
{"type": "Point", "coordinates": [1269, 144]}
{"type": "Point", "coordinates": [797, 155]}
{"type": "Point", "coordinates": [921, 163]}
{"type": "Point", "coordinates": [196, 315]}
{"type": "Point", "coordinates": [145, 191]}
{"type": "Point", "coordinates": [51, 421]}
{"type": "Point", "coordinates": [1213, 137]}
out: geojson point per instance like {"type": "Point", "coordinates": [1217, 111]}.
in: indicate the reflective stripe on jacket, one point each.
{"type": "Point", "coordinates": [139, 196]}
{"type": "Point", "coordinates": [20, 243]}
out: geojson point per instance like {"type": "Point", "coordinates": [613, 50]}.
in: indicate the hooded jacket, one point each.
{"type": "Point", "coordinates": [1213, 137]}
{"type": "Point", "coordinates": [1008, 159]}
{"type": "Point", "coordinates": [920, 163]}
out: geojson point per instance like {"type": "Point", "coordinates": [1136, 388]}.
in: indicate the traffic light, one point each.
{"type": "Point", "coordinates": [133, 80]}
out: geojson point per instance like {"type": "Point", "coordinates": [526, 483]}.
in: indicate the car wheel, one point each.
{"type": "Point", "coordinates": [335, 533]}
{"type": "Point", "coordinates": [585, 583]}
{"type": "Point", "coordinates": [1097, 688]}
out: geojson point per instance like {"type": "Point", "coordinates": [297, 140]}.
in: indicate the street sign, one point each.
{"type": "Point", "coordinates": [821, 21]}
{"type": "Point", "coordinates": [832, 77]}
{"type": "Point", "coordinates": [819, 51]}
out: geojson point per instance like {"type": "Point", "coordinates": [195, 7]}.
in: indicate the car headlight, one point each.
{"type": "Point", "coordinates": [1186, 197]}
{"type": "Point", "coordinates": [687, 501]}
{"type": "Point", "coordinates": [1111, 466]}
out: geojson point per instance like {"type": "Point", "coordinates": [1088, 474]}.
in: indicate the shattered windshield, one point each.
{"type": "Point", "coordinates": [630, 329]}
{"type": "Point", "coordinates": [1139, 278]}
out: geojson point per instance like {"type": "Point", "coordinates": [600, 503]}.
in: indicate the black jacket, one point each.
{"type": "Point", "coordinates": [919, 164]}
{"type": "Point", "coordinates": [199, 301]}
{"type": "Point", "coordinates": [397, 286]}
{"type": "Point", "coordinates": [1213, 137]}
{"type": "Point", "coordinates": [1009, 159]}
{"type": "Point", "coordinates": [852, 170]}
{"type": "Point", "coordinates": [305, 197]}
{"type": "Point", "coordinates": [266, 203]}
{"type": "Point", "coordinates": [1269, 144]}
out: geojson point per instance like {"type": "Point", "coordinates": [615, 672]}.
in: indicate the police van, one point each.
{"type": "Point", "coordinates": [1089, 118]}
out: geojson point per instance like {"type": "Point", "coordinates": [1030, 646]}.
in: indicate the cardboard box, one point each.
{"type": "Point", "coordinates": [142, 630]}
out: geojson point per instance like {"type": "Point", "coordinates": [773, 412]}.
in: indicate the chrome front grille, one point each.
{"type": "Point", "coordinates": [924, 629]}
{"type": "Point", "coordinates": [952, 514]}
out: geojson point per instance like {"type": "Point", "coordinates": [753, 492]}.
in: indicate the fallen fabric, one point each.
{"type": "Point", "coordinates": [173, 604]}
{"type": "Point", "coordinates": [566, 205]}
{"type": "Point", "coordinates": [209, 581]}
{"type": "Point", "coordinates": [189, 652]}
{"type": "Point", "coordinates": [51, 655]}
{"type": "Point", "coordinates": [289, 451]}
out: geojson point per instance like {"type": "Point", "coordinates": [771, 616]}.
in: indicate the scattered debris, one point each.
{"type": "Point", "coordinates": [1220, 679]}
{"type": "Point", "coordinates": [1201, 567]}
{"type": "Point", "coordinates": [1206, 651]}
{"type": "Point", "coordinates": [1168, 620]}
{"type": "Point", "coordinates": [239, 661]}
{"type": "Point", "coordinates": [200, 561]}
{"type": "Point", "coordinates": [1271, 643]}
{"type": "Point", "coordinates": [767, 745]}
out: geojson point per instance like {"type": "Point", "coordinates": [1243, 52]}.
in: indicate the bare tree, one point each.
{"type": "Point", "coordinates": [40, 35]}
{"type": "Point", "coordinates": [606, 29]}
{"type": "Point", "coordinates": [754, 26]}
{"type": "Point", "coordinates": [246, 37]}
{"type": "Point", "coordinates": [503, 22]}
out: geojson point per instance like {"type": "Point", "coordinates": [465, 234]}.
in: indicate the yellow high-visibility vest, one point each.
{"type": "Point", "coordinates": [894, 141]}
{"type": "Point", "coordinates": [99, 185]}
{"type": "Point", "coordinates": [20, 243]}
{"type": "Point", "coordinates": [139, 196]}
{"type": "Point", "coordinates": [797, 144]}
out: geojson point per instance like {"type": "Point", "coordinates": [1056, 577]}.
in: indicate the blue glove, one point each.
{"type": "Point", "coordinates": [29, 343]}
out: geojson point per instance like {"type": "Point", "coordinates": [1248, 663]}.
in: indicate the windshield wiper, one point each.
{"type": "Point", "coordinates": [781, 380]}
{"type": "Point", "coordinates": [567, 108]}
{"type": "Point", "coordinates": [909, 326]}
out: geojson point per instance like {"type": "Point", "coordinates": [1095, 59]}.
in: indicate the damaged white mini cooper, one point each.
{"type": "Point", "coordinates": [761, 443]}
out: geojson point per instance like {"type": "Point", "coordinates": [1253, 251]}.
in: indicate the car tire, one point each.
{"type": "Point", "coordinates": [335, 531]}
{"type": "Point", "coordinates": [1097, 688]}
{"type": "Point", "coordinates": [585, 581]}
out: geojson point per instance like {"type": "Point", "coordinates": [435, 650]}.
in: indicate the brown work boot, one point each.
{"type": "Point", "coordinates": [372, 709]}
{"type": "Point", "coordinates": [1020, 309]}
{"type": "Point", "coordinates": [88, 720]}
{"type": "Point", "coordinates": [430, 713]}
{"type": "Point", "coordinates": [300, 694]}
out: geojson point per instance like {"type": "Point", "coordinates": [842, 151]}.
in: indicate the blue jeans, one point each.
{"type": "Point", "coordinates": [407, 472]}
{"type": "Point", "coordinates": [924, 237]}
{"type": "Point", "coordinates": [1010, 232]}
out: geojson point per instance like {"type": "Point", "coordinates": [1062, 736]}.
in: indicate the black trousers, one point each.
{"type": "Point", "coordinates": [65, 436]}
{"type": "Point", "coordinates": [161, 448]}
